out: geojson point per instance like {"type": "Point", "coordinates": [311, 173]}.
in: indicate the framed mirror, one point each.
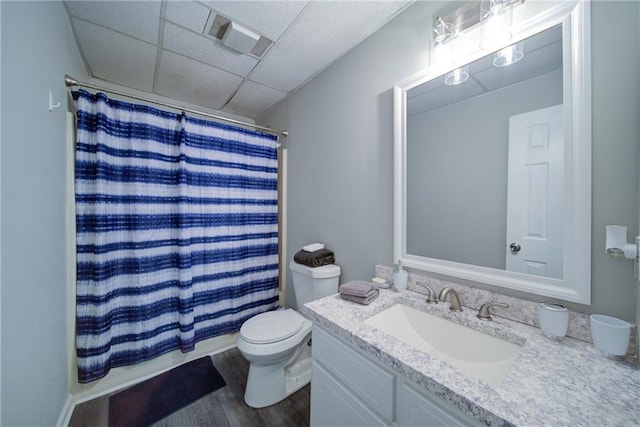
{"type": "Point", "coordinates": [493, 160]}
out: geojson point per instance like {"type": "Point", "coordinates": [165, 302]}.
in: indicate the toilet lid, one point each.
{"type": "Point", "coordinates": [271, 326]}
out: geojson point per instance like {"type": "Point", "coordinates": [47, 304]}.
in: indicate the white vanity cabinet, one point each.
{"type": "Point", "coordinates": [415, 408]}
{"type": "Point", "coordinates": [348, 388]}
{"type": "Point", "coordinates": [333, 404]}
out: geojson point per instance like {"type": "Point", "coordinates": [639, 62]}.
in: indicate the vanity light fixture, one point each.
{"type": "Point", "coordinates": [443, 35]}
{"type": "Point", "coordinates": [495, 20]}
{"type": "Point", "coordinates": [442, 32]}
{"type": "Point", "coordinates": [496, 17]}
{"type": "Point", "coordinates": [457, 76]}
{"type": "Point", "coordinates": [509, 55]}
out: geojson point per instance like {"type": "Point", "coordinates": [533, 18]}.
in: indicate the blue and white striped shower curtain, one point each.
{"type": "Point", "coordinates": [177, 231]}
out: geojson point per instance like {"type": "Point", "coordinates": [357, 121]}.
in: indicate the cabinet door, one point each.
{"type": "Point", "coordinates": [334, 405]}
{"type": "Point", "coordinates": [416, 409]}
{"type": "Point", "coordinates": [371, 383]}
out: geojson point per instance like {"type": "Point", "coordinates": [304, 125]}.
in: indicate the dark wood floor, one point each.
{"type": "Point", "coordinates": [223, 407]}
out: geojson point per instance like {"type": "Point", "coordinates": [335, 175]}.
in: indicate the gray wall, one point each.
{"type": "Point", "coordinates": [457, 158]}
{"type": "Point", "coordinates": [37, 50]}
{"type": "Point", "coordinates": [638, 162]}
{"type": "Point", "coordinates": [615, 151]}
{"type": "Point", "coordinates": [341, 154]}
{"type": "Point", "coordinates": [340, 151]}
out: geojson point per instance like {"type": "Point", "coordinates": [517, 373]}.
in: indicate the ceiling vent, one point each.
{"type": "Point", "coordinates": [237, 37]}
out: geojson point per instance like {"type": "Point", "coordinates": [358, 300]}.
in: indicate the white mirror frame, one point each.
{"type": "Point", "coordinates": [576, 282]}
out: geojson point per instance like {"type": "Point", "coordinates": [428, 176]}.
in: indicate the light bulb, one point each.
{"type": "Point", "coordinates": [509, 55]}
{"type": "Point", "coordinates": [495, 23]}
{"type": "Point", "coordinates": [457, 76]}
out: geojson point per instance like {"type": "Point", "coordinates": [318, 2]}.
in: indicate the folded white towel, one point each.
{"type": "Point", "coordinates": [312, 247]}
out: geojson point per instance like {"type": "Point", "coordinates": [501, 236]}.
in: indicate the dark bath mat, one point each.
{"type": "Point", "coordinates": [152, 400]}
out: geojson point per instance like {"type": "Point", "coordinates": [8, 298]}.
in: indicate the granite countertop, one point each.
{"type": "Point", "coordinates": [567, 382]}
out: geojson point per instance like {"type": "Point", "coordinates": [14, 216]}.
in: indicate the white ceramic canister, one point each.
{"type": "Point", "coordinates": [554, 319]}
{"type": "Point", "coordinates": [611, 335]}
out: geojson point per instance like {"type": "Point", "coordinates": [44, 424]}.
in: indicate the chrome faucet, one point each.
{"type": "Point", "coordinates": [455, 301]}
{"type": "Point", "coordinates": [485, 314]}
{"type": "Point", "coordinates": [431, 296]}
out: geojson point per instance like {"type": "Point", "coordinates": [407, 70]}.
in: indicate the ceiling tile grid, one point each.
{"type": "Point", "coordinates": [164, 46]}
{"type": "Point", "coordinates": [323, 33]}
{"type": "Point", "coordinates": [191, 15]}
{"type": "Point", "coordinates": [253, 98]}
{"type": "Point", "coordinates": [117, 58]}
{"type": "Point", "coordinates": [191, 81]}
{"type": "Point", "coordinates": [206, 50]}
{"type": "Point", "coordinates": [136, 18]}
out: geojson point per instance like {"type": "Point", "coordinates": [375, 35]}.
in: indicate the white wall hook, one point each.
{"type": "Point", "coordinates": [51, 104]}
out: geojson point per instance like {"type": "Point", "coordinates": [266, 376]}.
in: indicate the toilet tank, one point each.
{"type": "Point", "coordinates": [311, 283]}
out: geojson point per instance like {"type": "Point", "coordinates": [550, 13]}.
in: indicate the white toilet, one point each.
{"type": "Point", "coordinates": [278, 343]}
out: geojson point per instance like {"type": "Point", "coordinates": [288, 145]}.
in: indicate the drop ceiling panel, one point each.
{"type": "Point", "coordinates": [425, 87]}
{"type": "Point", "coordinates": [252, 99]}
{"type": "Point", "coordinates": [535, 63]}
{"type": "Point", "coordinates": [445, 95]}
{"type": "Point", "coordinates": [482, 64]}
{"type": "Point", "coordinates": [137, 18]}
{"type": "Point", "coordinates": [190, 15]}
{"type": "Point", "coordinates": [206, 50]}
{"type": "Point", "coordinates": [545, 38]}
{"type": "Point", "coordinates": [191, 81]}
{"type": "Point", "coordinates": [309, 35]}
{"type": "Point", "coordinates": [269, 18]}
{"type": "Point", "coordinates": [116, 57]}
{"type": "Point", "coordinates": [322, 33]}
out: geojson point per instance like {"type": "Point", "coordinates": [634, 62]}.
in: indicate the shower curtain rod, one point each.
{"type": "Point", "coordinates": [70, 81]}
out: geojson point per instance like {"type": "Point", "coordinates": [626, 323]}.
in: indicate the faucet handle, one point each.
{"type": "Point", "coordinates": [485, 314]}
{"type": "Point", "coordinates": [431, 296]}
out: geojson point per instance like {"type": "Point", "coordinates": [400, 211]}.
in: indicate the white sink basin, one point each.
{"type": "Point", "coordinates": [471, 351]}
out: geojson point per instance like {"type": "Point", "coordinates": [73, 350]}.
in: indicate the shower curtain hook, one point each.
{"type": "Point", "coordinates": [51, 104]}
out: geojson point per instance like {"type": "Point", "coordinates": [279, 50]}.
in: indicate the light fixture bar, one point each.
{"type": "Point", "coordinates": [465, 17]}
{"type": "Point", "coordinates": [442, 32]}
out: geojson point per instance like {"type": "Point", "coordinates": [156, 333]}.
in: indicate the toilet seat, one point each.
{"type": "Point", "coordinates": [272, 326]}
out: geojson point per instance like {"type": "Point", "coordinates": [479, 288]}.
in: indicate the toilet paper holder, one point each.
{"type": "Point", "coordinates": [616, 244]}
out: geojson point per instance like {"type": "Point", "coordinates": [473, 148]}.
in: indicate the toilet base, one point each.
{"type": "Point", "coordinates": [270, 384]}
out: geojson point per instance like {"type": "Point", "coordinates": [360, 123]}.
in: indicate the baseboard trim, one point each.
{"type": "Point", "coordinates": [66, 412]}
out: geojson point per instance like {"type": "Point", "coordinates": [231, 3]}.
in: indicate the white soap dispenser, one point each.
{"type": "Point", "coordinates": [399, 277]}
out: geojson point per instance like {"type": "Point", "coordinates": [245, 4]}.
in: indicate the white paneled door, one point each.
{"type": "Point", "coordinates": [535, 193]}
